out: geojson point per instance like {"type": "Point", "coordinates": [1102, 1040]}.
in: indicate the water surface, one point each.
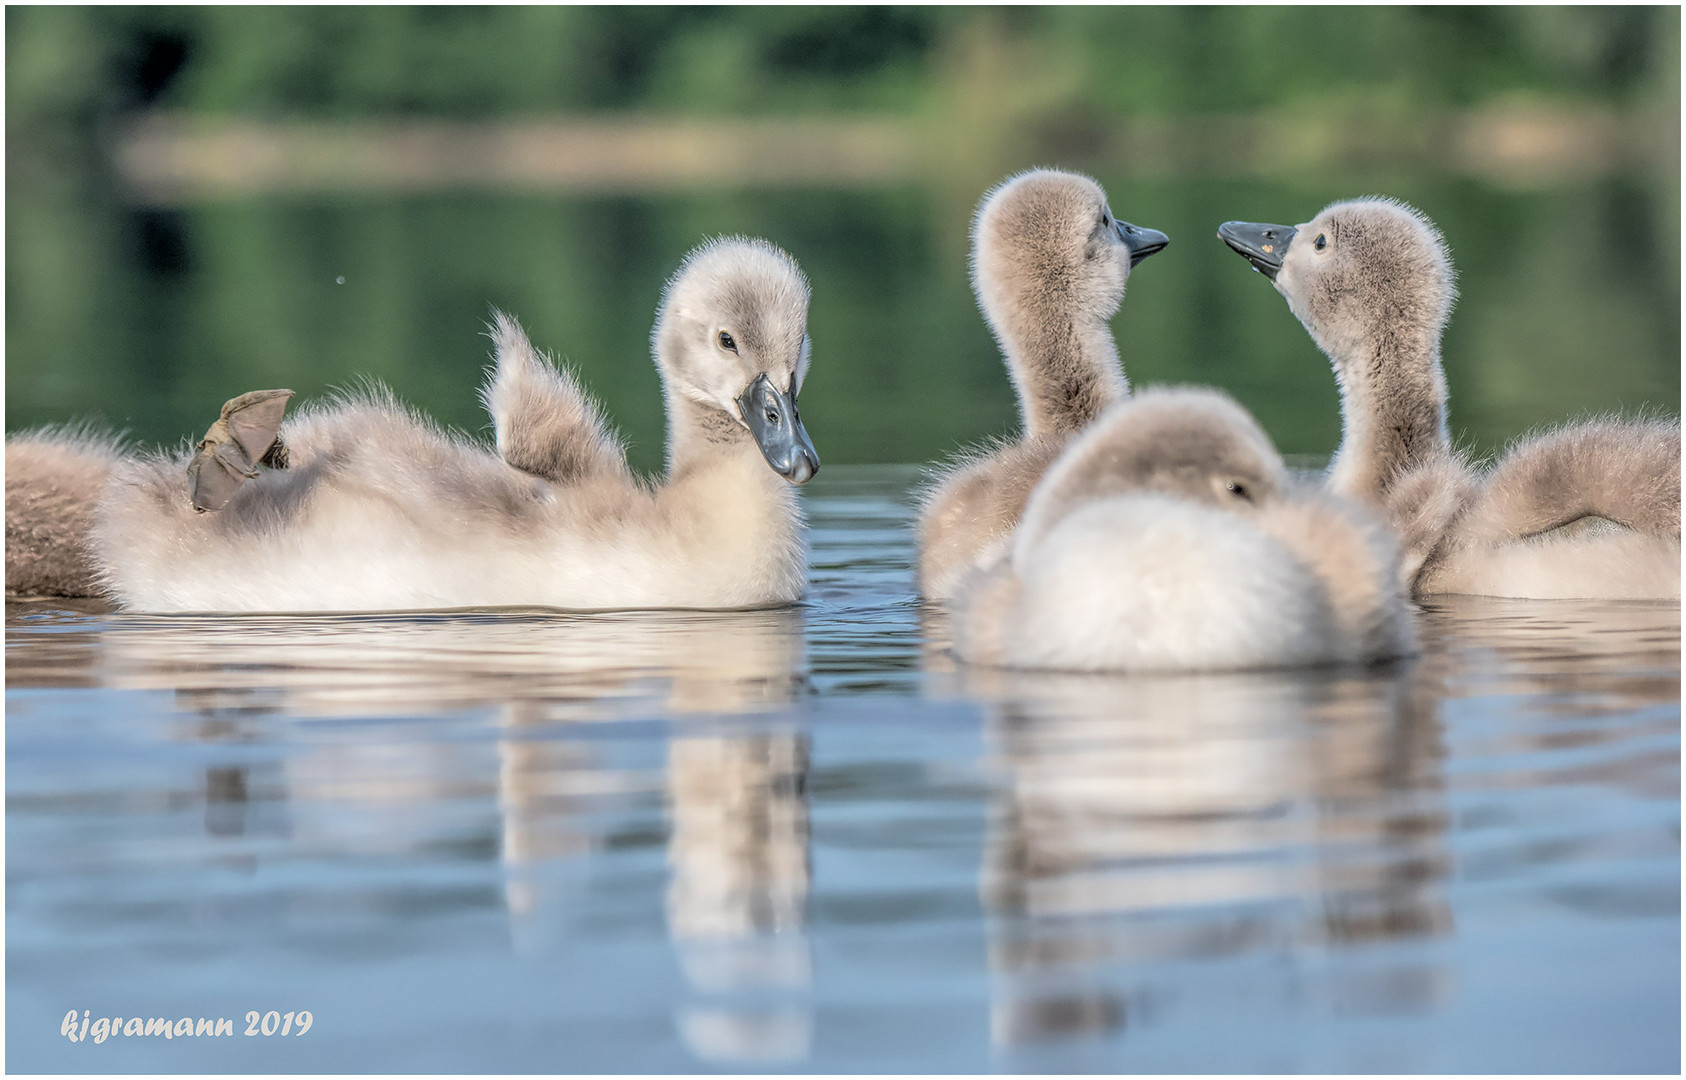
{"type": "Point", "coordinates": [805, 840]}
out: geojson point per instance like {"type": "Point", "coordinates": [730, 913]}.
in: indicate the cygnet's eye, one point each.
{"type": "Point", "coordinates": [727, 342]}
{"type": "Point", "coordinates": [1228, 487]}
{"type": "Point", "coordinates": [1321, 242]}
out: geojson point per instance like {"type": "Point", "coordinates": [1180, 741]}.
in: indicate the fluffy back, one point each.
{"type": "Point", "coordinates": [1356, 560]}
{"type": "Point", "coordinates": [1190, 442]}
{"type": "Point", "coordinates": [1623, 470]}
{"type": "Point", "coordinates": [54, 477]}
{"type": "Point", "coordinates": [1150, 582]}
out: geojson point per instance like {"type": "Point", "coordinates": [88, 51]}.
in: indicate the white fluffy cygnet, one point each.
{"type": "Point", "coordinates": [1049, 265]}
{"type": "Point", "coordinates": [1170, 537]}
{"type": "Point", "coordinates": [1590, 509]}
{"type": "Point", "coordinates": [379, 509]}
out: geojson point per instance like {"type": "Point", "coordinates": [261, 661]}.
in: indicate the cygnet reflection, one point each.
{"type": "Point", "coordinates": [1146, 819]}
{"type": "Point", "coordinates": [582, 667]}
{"type": "Point", "coordinates": [423, 776]}
{"type": "Point", "coordinates": [738, 892]}
{"type": "Point", "coordinates": [737, 816]}
{"type": "Point", "coordinates": [1626, 649]}
{"type": "Point", "coordinates": [693, 665]}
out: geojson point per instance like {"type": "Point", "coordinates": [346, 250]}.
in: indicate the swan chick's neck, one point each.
{"type": "Point", "coordinates": [1393, 411]}
{"type": "Point", "coordinates": [1064, 365]}
{"type": "Point", "coordinates": [1050, 263]}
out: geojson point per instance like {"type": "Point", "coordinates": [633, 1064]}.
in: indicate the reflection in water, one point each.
{"type": "Point", "coordinates": [738, 848]}
{"type": "Point", "coordinates": [1570, 654]}
{"type": "Point", "coordinates": [1146, 821]}
{"type": "Point", "coordinates": [1146, 824]}
{"type": "Point", "coordinates": [737, 898]}
{"type": "Point", "coordinates": [738, 840]}
{"type": "Point", "coordinates": [240, 794]}
{"type": "Point", "coordinates": [537, 669]}
{"type": "Point", "coordinates": [225, 801]}
{"type": "Point", "coordinates": [527, 841]}
{"type": "Point", "coordinates": [547, 791]}
{"type": "Point", "coordinates": [572, 667]}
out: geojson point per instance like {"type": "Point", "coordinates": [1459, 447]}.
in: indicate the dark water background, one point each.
{"type": "Point", "coordinates": [147, 317]}
{"type": "Point", "coordinates": [803, 840]}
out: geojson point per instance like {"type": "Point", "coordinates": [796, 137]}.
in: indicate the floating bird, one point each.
{"type": "Point", "coordinates": [1049, 265]}
{"type": "Point", "coordinates": [1590, 509]}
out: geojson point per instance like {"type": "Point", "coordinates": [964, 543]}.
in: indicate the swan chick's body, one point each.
{"type": "Point", "coordinates": [1171, 537]}
{"type": "Point", "coordinates": [1588, 510]}
{"type": "Point", "coordinates": [1049, 266]}
{"type": "Point", "coordinates": [53, 480]}
{"type": "Point", "coordinates": [380, 509]}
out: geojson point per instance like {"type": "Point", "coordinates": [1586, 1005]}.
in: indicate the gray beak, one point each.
{"type": "Point", "coordinates": [1142, 242]}
{"type": "Point", "coordinates": [1261, 245]}
{"type": "Point", "coordinates": [770, 414]}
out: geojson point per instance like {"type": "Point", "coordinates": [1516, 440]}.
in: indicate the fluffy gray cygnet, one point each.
{"type": "Point", "coordinates": [379, 509]}
{"type": "Point", "coordinates": [1590, 509]}
{"type": "Point", "coordinates": [54, 477]}
{"type": "Point", "coordinates": [1171, 537]}
{"type": "Point", "coordinates": [1049, 266]}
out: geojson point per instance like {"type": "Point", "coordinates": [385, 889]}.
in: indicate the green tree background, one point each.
{"type": "Point", "coordinates": [66, 67]}
{"type": "Point", "coordinates": [146, 314]}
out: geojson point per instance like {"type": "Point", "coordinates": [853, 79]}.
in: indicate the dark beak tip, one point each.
{"type": "Point", "coordinates": [1247, 239]}
{"type": "Point", "coordinates": [1139, 240]}
{"type": "Point", "coordinates": [783, 441]}
{"type": "Point", "coordinates": [804, 469]}
{"type": "Point", "coordinates": [1138, 253]}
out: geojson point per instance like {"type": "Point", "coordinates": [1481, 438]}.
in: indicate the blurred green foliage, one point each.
{"type": "Point", "coordinates": [67, 67]}
{"type": "Point", "coordinates": [148, 317]}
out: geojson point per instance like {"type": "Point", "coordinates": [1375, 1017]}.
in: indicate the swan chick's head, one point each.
{"type": "Point", "coordinates": [1359, 271]}
{"type": "Point", "coordinates": [1186, 442]}
{"type": "Point", "coordinates": [1049, 237]}
{"type": "Point", "coordinates": [732, 336]}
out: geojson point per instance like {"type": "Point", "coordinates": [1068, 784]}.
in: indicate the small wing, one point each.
{"type": "Point", "coordinates": [1622, 471]}
{"type": "Point", "coordinates": [544, 422]}
{"type": "Point", "coordinates": [1424, 505]}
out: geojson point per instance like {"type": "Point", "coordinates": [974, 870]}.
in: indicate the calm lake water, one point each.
{"type": "Point", "coordinates": [804, 840]}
